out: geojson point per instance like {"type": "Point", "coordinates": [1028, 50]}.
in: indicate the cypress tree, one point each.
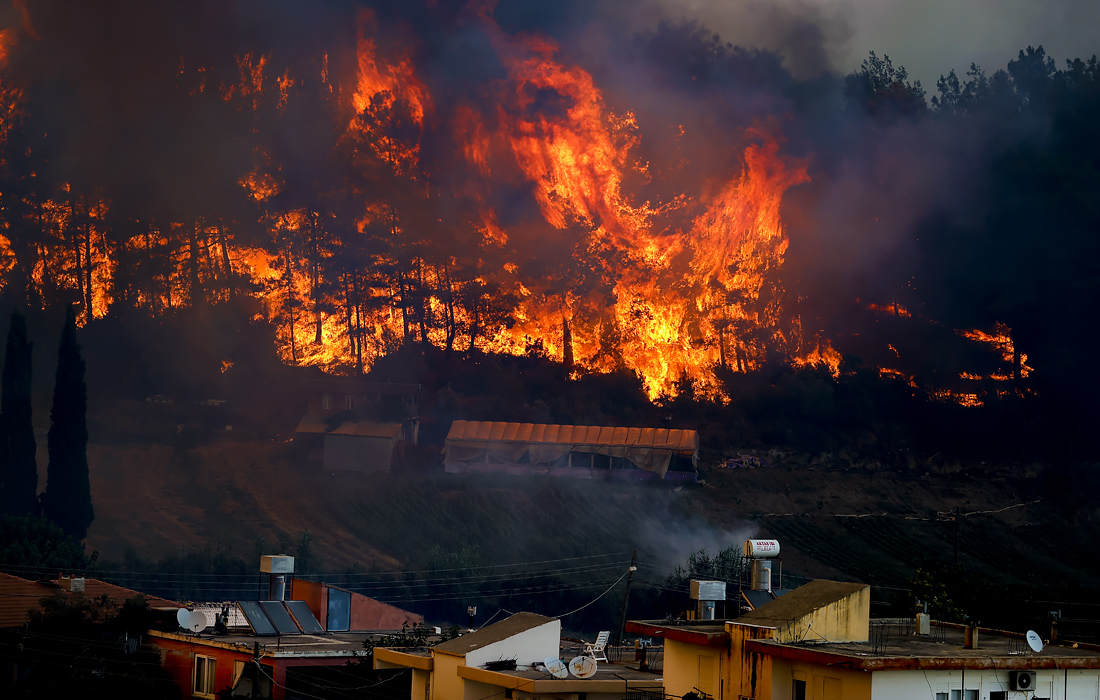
{"type": "Point", "coordinates": [68, 497]}
{"type": "Point", "coordinates": [18, 470]}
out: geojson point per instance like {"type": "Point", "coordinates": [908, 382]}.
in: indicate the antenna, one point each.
{"type": "Point", "coordinates": [183, 616]}
{"type": "Point", "coordinates": [196, 622]}
{"type": "Point", "coordinates": [1034, 641]}
{"type": "Point", "coordinates": [557, 668]}
{"type": "Point", "coordinates": [583, 666]}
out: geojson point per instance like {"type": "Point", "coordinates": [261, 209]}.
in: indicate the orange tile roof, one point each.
{"type": "Point", "coordinates": [18, 596]}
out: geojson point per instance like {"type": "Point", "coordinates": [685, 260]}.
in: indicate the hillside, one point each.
{"type": "Point", "coordinates": [845, 522]}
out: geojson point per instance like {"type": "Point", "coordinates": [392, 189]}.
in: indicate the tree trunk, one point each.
{"type": "Point", "coordinates": [227, 263]}
{"type": "Point", "coordinates": [567, 344]}
{"type": "Point", "coordinates": [195, 291]}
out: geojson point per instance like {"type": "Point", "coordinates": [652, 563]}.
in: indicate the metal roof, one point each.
{"type": "Point", "coordinates": [358, 428]}
{"type": "Point", "coordinates": [658, 438]}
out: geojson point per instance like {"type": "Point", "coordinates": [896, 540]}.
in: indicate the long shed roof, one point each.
{"type": "Point", "coordinates": [658, 438]}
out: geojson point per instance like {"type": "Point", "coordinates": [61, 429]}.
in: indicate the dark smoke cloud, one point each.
{"type": "Point", "coordinates": [811, 38]}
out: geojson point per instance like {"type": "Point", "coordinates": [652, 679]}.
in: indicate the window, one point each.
{"type": "Point", "coordinates": [349, 402]}
{"type": "Point", "coordinates": [326, 402]}
{"type": "Point", "coordinates": [969, 695]}
{"type": "Point", "coordinates": [998, 695]}
{"type": "Point", "coordinates": [798, 690]}
{"type": "Point", "coordinates": [202, 680]}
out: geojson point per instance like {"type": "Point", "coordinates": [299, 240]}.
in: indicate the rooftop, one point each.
{"type": "Point", "coordinates": [497, 632]}
{"type": "Point", "coordinates": [593, 435]}
{"type": "Point", "coordinates": [801, 602]}
{"type": "Point", "coordinates": [894, 647]}
{"type": "Point", "coordinates": [18, 596]}
{"type": "Point", "coordinates": [288, 646]}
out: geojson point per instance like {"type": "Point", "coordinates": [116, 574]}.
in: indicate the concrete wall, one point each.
{"type": "Point", "coordinates": [178, 660]}
{"type": "Point", "coordinates": [903, 685]}
{"type": "Point", "coordinates": [421, 681]}
{"type": "Point", "coordinates": [846, 620]}
{"type": "Point", "coordinates": [526, 647]}
{"type": "Point", "coordinates": [359, 454]}
{"type": "Point", "coordinates": [368, 614]}
{"type": "Point", "coordinates": [445, 683]}
{"type": "Point", "coordinates": [750, 673]}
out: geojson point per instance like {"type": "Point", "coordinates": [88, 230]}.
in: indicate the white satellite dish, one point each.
{"type": "Point", "coordinates": [196, 622]}
{"type": "Point", "coordinates": [556, 667]}
{"type": "Point", "coordinates": [183, 616]}
{"type": "Point", "coordinates": [1034, 641]}
{"type": "Point", "coordinates": [583, 666]}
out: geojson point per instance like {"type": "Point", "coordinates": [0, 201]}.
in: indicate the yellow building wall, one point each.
{"type": "Point", "coordinates": [750, 674]}
{"type": "Point", "coordinates": [445, 682]}
{"type": "Point", "coordinates": [822, 683]}
{"type": "Point", "coordinates": [690, 666]}
{"type": "Point", "coordinates": [420, 683]}
{"type": "Point", "coordinates": [846, 620]}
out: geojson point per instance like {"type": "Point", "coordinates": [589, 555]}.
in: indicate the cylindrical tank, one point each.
{"type": "Point", "coordinates": [761, 575]}
{"type": "Point", "coordinates": [761, 549]}
{"type": "Point", "coordinates": [276, 587]}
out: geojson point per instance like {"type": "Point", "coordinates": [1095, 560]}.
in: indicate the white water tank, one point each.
{"type": "Point", "coordinates": [761, 549]}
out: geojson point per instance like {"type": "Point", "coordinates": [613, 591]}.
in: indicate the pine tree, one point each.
{"type": "Point", "coordinates": [18, 470]}
{"type": "Point", "coordinates": [68, 497]}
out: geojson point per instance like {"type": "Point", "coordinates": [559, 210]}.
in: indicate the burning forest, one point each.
{"type": "Point", "coordinates": [368, 176]}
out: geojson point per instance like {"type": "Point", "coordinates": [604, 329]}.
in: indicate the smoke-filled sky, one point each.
{"type": "Point", "coordinates": [929, 37]}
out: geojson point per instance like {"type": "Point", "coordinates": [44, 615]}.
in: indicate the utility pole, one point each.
{"type": "Point", "coordinates": [626, 598]}
{"type": "Point", "coordinates": [958, 526]}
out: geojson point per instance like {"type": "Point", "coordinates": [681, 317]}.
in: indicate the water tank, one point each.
{"type": "Point", "coordinates": [708, 590]}
{"type": "Point", "coordinates": [761, 575]}
{"type": "Point", "coordinates": [761, 549]}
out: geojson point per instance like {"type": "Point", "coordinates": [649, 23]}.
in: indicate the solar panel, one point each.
{"type": "Point", "coordinates": [304, 617]}
{"type": "Point", "coordinates": [278, 614]}
{"type": "Point", "coordinates": [257, 620]}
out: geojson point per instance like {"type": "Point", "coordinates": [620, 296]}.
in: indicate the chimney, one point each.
{"type": "Point", "coordinates": [970, 636]}
{"type": "Point", "coordinates": [279, 569]}
{"type": "Point", "coordinates": [73, 584]}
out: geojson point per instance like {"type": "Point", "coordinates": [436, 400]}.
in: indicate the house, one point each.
{"type": "Point", "coordinates": [19, 596]}
{"type": "Point", "coordinates": [357, 426]}
{"type": "Point", "coordinates": [818, 642]}
{"type": "Point", "coordinates": [355, 446]}
{"type": "Point", "coordinates": [499, 661]}
{"type": "Point", "coordinates": [252, 666]}
{"type": "Point", "coordinates": [580, 451]}
{"type": "Point", "coordinates": [297, 643]}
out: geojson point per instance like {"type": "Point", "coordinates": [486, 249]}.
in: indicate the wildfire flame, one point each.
{"type": "Point", "coordinates": [670, 290]}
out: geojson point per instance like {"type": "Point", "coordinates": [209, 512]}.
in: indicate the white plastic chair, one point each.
{"type": "Point", "coordinates": [596, 649]}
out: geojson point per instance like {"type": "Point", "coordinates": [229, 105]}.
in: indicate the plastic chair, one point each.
{"type": "Point", "coordinates": [597, 648]}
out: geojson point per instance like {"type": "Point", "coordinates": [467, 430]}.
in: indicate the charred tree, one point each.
{"type": "Point", "coordinates": [68, 497]}
{"type": "Point", "coordinates": [18, 469]}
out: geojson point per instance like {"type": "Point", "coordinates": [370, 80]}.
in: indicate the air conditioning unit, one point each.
{"type": "Point", "coordinates": [1022, 680]}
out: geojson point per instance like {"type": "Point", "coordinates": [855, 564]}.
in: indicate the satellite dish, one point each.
{"type": "Point", "coordinates": [196, 622]}
{"type": "Point", "coordinates": [183, 616]}
{"type": "Point", "coordinates": [557, 667]}
{"type": "Point", "coordinates": [583, 666]}
{"type": "Point", "coordinates": [1034, 641]}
